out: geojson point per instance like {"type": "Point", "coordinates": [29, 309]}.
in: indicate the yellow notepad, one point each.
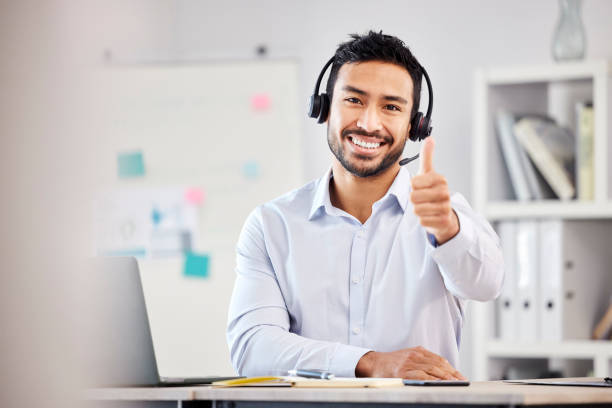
{"type": "Point", "coordinates": [300, 382]}
{"type": "Point", "coordinates": [253, 382]}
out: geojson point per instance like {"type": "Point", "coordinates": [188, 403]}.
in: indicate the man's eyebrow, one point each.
{"type": "Point", "coordinates": [349, 88]}
{"type": "Point", "coordinates": [395, 99]}
{"type": "Point", "coordinates": [391, 98]}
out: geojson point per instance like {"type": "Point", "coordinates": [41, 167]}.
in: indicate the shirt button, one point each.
{"type": "Point", "coordinates": [356, 330]}
{"type": "Point", "coordinates": [355, 280]}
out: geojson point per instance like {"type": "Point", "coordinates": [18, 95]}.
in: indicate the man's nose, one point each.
{"type": "Point", "coordinates": [369, 120]}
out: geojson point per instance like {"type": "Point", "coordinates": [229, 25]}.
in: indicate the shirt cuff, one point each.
{"type": "Point", "coordinates": [345, 360]}
{"type": "Point", "coordinates": [460, 243]}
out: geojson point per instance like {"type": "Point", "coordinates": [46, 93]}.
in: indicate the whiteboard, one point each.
{"type": "Point", "coordinates": [231, 129]}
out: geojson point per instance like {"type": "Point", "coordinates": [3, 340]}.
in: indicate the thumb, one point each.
{"type": "Point", "coordinates": [427, 149]}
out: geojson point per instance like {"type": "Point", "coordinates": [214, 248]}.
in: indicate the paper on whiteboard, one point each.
{"type": "Point", "coordinates": [144, 222]}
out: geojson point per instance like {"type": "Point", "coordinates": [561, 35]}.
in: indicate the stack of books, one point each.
{"type": "Point", "coordinates": [545, 160]}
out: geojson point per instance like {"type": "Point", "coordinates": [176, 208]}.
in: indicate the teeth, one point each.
{"type": "Point", "coordinates": [365, 144]}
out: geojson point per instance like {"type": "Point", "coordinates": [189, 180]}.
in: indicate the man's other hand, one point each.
{"type": "Point", "coordinates": [431, 199]}
{"type": "Point", "coordinates": [415, 363]}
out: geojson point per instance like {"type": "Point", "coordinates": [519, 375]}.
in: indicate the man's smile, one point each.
{"type": "Point", "coordinates": [365, 145]}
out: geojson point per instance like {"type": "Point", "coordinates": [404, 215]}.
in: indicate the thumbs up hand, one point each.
{"type": "Point", "coordinates": [431, 199]}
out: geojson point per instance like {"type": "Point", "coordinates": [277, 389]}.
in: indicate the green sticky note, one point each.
{"type": "Point", "coordinates": [130, 164]}
{"type": "Point", "coordinates": [196, 265]}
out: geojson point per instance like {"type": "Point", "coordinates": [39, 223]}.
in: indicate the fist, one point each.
{"type": "Point", "coordinates": [431, 199]}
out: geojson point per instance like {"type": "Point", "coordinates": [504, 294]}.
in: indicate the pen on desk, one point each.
{"type": "Point", "coordinates": [323, 375]}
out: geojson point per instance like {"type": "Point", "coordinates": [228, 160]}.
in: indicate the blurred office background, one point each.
{"type": "Point", "coordinates": [57, 156]}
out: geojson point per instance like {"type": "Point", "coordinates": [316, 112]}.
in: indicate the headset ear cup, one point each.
{"type": "Point", "coordinates": [425, 128]}
{"type": "Point", "coordinates": [324, 99]}
{"type": "Point", "coordinates": [314, 106]}
{"type": "Point", "coordinates": [415, 127]}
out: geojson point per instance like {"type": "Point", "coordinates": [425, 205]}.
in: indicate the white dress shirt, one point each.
{"type": "Point", "coordinates": [316, 288]}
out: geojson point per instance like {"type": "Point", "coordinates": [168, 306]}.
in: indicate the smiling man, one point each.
{"type": "Point", "coordinates": [365, 271]}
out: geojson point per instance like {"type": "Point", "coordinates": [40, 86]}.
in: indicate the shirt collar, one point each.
{"type": "Point", "coordinates": [321, 198]}
{"type": "Point", "coordinates": [400, 189]}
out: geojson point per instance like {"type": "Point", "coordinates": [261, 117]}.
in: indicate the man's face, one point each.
{"type": "Point", "coordinates": [369, 117]}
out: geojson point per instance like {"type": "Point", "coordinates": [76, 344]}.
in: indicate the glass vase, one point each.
{"type": "Point", "coordinates": [569, 40]}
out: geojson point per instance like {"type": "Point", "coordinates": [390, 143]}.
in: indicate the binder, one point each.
{"type": "Point", "coordinates": [576, 277]}
{"type": "Point", "coordinates": [551, 273]}
{"type": "Point", "coordinates": [507, 302]}
{"type": "Point", "coordinates": [527, 283]}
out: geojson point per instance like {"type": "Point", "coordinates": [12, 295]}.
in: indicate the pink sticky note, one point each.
{"type": "Point", "coordinates": [260, 102]}
{"type": "Point", "coordinates": [194, 196]}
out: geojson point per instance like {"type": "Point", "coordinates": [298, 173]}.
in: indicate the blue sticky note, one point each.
{"type": "Point", "coordinates": [250, 169]}
{"type": "Point", "coordinates": [130, 164]}
{"type": "Point", "coordinates": [196, 265]}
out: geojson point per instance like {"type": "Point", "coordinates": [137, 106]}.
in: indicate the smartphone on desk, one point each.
{"type": "Point", "coordinates": [440, 383]}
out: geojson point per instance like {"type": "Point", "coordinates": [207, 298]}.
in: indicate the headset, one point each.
{"type": "Point", "coordinates": [420, 128]}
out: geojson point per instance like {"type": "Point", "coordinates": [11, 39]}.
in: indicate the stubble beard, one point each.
{"type": "Point", "coordinates": [336, 146]}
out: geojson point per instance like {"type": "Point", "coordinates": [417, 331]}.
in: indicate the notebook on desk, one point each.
{"type": "Point", "coordinates": [301, 382]}
{"type": "Point", "coordinates": [116, 348]}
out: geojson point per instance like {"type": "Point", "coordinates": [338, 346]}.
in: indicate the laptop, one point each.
{"type": "Point", "coordinates": [575, 382]}
{"type": "Point", "coordinates": [115, 344]}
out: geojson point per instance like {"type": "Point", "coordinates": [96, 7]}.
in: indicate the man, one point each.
{"type": "Point", "coordinates": [365, 271]}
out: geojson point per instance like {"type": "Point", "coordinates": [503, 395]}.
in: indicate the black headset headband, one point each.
{"type": "Point", "coordinates": [420, 124]}
{"type": "Point", "coordinates": [320, 78]}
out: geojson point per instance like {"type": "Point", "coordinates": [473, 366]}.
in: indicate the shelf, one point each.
{"type": "Point", "coordinates": [547, 209]}
{"type": "Point", "coordinates": [568, 349]}
{"type": "Point", "coordinates": [546, 73]}
{"type": "Point", "coordinates": [552, 89]}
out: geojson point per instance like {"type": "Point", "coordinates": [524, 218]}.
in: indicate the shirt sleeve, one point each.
{"type": "Point", "coordinates": [258, 322]}
{"type": "Point", "coordinates": [471, 263]}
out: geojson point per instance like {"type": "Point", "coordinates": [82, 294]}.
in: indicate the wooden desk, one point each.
{"type": "Point", "coordinates": [492, 393]}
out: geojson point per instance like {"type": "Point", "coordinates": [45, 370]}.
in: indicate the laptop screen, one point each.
{"type": "Point", "coordinates": [116, 348]}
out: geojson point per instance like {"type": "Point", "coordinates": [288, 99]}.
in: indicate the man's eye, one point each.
{"type": "Point", "coordinates": [392, 108]}
{"type": "Point", "coordinates": [353, 100]}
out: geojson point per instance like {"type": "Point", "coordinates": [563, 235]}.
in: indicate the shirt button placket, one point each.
{"type": "Point", "coordinates": [357, 270]}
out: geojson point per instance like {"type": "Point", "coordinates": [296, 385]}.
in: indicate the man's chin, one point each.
{"type": "Point", "coordinates": [369, 167]}
{"type": "Point", "coordinates": [364, 171]}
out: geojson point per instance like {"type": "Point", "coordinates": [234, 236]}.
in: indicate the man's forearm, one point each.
{"type": "Point", "coordinates": [271, 350]}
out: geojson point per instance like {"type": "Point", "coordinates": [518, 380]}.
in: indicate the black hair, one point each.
{"type": "Point", "coordinates": [375, 46]}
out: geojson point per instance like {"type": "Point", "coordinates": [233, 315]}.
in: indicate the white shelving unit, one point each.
{"type": "Point", "coordinates": [597, 351]}
{"type": "Point", "coordinates": [553, 90]}
{"type": "Point", "coordinates": [499, 210]}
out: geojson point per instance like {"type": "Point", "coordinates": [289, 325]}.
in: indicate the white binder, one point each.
{"type": "Point", "coordinates": [527, 281]}
{"type": "Point", "coordinates": [507, 302]}
{"type": "Point", "coordinates": [576, 277]}
{"type": "Point", "coordinates": [551, 280]}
